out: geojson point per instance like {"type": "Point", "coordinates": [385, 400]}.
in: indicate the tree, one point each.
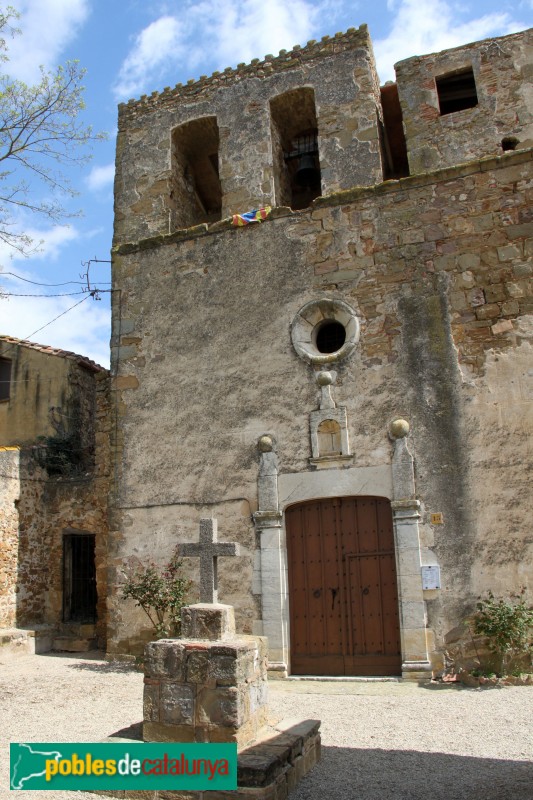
{"type": "Point", "coordinates": [40, 133]}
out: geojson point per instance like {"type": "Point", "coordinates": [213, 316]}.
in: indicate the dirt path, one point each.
{"type": "Point", "coordinates": [380, 740]}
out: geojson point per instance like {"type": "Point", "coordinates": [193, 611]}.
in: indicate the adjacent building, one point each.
{"type": "Point", "coordinates": [54, 479]}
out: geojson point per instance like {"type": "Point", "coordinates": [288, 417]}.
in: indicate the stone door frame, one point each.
{"type": "Point", "coordinates": [394, 482]}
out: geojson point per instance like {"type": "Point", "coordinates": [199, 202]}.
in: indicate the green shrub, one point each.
{"type": "Point", "coordinates": [508, 625]}
{"type": "Point", "coordinates": [161, 592]}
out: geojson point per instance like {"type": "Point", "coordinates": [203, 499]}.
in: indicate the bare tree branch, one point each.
{"type": "Point", "coordinates": [40, 132]}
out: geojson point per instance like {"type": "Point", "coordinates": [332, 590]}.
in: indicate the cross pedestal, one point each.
{"type": "Point", "coordinates": [211, 686]}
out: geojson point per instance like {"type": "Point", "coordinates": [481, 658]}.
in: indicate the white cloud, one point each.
{"type": "Point", "coordinates": [217, 35]}
{"type": "Point", "coordinates": [47, 26]}
{"type": "Point", "coordinates": [420, 28]}
{"type": "Point", "coordinates": [154, 46]}
{"type": "Point", "coordinates": [48, 243]}
{"type": "Point", "coordinates": [84, 330]}
{"type": "Point", "coordinates": [242, 31]}
{"type": "Point", "coordinates": [101, 177]}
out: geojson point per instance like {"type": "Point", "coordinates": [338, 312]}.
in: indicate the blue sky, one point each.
{"type": "Point", "coordinates": [133, 47]}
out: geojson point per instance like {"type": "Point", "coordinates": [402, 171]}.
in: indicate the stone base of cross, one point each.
{"type": "Point", "coordinates": [208, 549]}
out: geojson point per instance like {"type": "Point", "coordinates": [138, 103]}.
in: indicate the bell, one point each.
{"type": "Point", "coordinates": [307, 175]}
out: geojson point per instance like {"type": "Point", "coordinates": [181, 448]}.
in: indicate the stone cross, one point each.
{"type": "Point", "coordinates": [207, 550]}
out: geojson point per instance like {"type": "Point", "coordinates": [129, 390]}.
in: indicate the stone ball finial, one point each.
{"type": "Point", "coordinates": [399, 428]}
{"type": "Point", "coordinates": [324, 378]}
{"type": "Point", "coordinates": [265, 444]}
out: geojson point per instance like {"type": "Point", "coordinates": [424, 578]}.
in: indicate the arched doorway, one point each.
{"type": "Point", "coordinates": [343, 598]}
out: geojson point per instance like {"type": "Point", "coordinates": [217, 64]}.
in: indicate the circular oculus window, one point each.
{"type": "Point", "coordinates": [325, 331]}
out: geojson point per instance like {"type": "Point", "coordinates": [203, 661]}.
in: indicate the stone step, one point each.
{"type": "Point", "coordinates": [71, 644]}
{"type": "Point", "coordinates": [268, 769]}
{"type": "Point", "coordinates": [77, 630]}
{"type": "Point", "coordinates": [25, 641]}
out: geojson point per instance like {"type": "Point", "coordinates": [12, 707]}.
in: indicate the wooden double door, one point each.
{"type": "Point", "coordinates": [342, 587]}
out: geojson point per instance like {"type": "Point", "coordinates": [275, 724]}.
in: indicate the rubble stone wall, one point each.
{"type": "Point", "coordinates": [342, 73]}
{"type": "Point", "coordinates": [36, 510]}
{"type": "Point", "coordinates": [9, 496]}
{"type": "Point", "coordinates": [503, 69]}
{"type": "Point", "coordinates": [438, 269]}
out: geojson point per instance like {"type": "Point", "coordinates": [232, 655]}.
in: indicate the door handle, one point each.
{"type": "Point", "coordinates": [366, 590]}
{"type": "Point", "coordinates": [334, 593]}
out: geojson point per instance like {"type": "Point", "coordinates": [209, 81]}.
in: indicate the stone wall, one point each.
{"type": "Point", "coordinates": [340, 70]}
{"type": "Point", "coordinates": [438, 269]}
{"type": "Point", "coordinates": [9, 495]}
{"type": "Point", "coordinates": [37, 510]}
{"type": "Point", "coordinates": [502, 71]}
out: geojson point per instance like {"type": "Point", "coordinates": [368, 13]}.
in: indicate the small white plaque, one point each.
{"type": "Point", "coordinates": [431, 577]}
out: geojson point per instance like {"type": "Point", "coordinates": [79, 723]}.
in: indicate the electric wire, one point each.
{"type": "Point", "coordinates": [59, 315]}
{"type": "Point", "coordinates": [63, 294]}
{"type": "Point", "coordinates": [87, 293]}
{"type": "Point", "coordinates": [36, 283]}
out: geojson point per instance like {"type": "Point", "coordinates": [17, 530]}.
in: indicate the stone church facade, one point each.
{"type": "Point", "coordinates": [346, 385]}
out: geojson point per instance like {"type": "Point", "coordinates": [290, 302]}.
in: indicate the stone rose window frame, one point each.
{"type": "Point", "coordinates": [311, 321]}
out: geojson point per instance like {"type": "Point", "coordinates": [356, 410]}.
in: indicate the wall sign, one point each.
{"type": "Point", "coordinates": [431, 577]}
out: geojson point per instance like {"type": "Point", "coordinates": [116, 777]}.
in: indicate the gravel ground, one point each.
{"type": "Point", "coordinates": [380, 740]}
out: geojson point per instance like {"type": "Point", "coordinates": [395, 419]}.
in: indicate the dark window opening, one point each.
{"type": "Point", "coordinates": [295, 148]}
{"type": "Point", "coordinates": [79, 578]}
{"type": "Point", "coordinates": [5, 378]}
{"type": "Point", "coordinates": [330, 337]}
{"type": "Point", "coordinates": [196, 191]}
{"type": "Point", "coordinates": [394, 147]}
{"type": "Point", "coordinates": [509, 143]}
{"type": "Point", "coordinates": [456, 91]}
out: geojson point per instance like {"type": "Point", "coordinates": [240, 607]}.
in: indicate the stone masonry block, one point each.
{"type": "Point", "coordinates": [292, 742]}
{"type": "Point", "coordinates": [511, 308]}
{"type": "Point", "coordinates": [488, 311]}
{"type": "Point", "coordinates": [296, 773]}
{"type": "Point", "coordinates": [306, 729]}
{"type": "Point", "coordinates": [177, 704]}
{"type": "Point", "coordinates": [258, 766]}
{"type": "Point", "coordinates": [159, 732]}
{"type": "Point", "coordinates": [509, 252]}
{"type": "Point", "coordinates": [208, 621]}
{"type": "Point", "coordinates": [502, 326]}
{"type": "Point", "coordinates": [258, 696]}
{"type": "Point", "coordinates": [151, 703]}
{"type": "Point", "coordinates": [476, 297]}
{"type": "Point", "coordinates": [242, 735]}
{"type": "Point", "coordinates": [515, 289]}
{"type": "Point", "coordinates": [224, 669]}
{"type": "Point", "coordinates": [495, 292]}
{"type": "Point", "coordinates": [282, 790]}
{"type": "Point", "coordinates": [219, 706]}
{"type": "Point", "coordinates": [198, 665]}
{"type": "Point", "coordinates": [165, 659]}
